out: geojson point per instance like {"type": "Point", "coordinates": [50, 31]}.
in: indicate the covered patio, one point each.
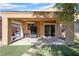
{"type": "Point", "coordinates": [43, 26]}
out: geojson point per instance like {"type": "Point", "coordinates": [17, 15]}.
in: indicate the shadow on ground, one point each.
{"type": "Point", "coordinates": [56, 50]}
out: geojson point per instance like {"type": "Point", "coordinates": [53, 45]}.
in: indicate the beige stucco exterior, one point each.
{"type": "Point", "coordinates": [39, 20]}
{"type": "Point", "coordinates": [0, 30]}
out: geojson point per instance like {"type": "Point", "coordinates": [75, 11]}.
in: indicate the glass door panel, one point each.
{"type": "Point", "coordinates": [49, 30]}
{"type": "Point", "coordinates": [33, 30]}
{"type": "Point", "coordinates": [52, 30]}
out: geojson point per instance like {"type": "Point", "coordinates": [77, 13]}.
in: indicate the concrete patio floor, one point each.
{"type": "Point", "coordinates": [25, 41]}
{"type": "Point", "coordinates": [40, 41]}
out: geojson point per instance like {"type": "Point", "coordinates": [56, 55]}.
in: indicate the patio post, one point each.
{"type": "Point", "coordinates": [38, 28]}
{"type": "Point", "coordinates": [69, 33]}
{"type": "Point", "coordinates": [25, 28]}
{"type": "Point", "coordinates": [57, 30]}
{"type": "Point", "coordinates": [4, 30]}
{"type": "Point", "coordinates": [41, 29]}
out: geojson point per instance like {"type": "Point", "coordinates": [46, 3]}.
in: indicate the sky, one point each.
{"type": "Point", "coordinates": [24, 6]}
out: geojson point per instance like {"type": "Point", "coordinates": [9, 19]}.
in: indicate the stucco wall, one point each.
{"type": "Point", "coordinates": [39, 24]}
{"type": "Point", "coordinates": [76, 30]}
{"type": "Point", "coordinates": [0, 29]}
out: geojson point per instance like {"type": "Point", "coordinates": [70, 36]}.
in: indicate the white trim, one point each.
{"type": "Point", "coordinates": [20, 28]}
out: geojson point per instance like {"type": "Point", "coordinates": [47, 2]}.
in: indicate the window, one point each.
{"type": "Point", "coordinates": [33, 30]}
{"type": "Point", "coordinates": [16, 31]}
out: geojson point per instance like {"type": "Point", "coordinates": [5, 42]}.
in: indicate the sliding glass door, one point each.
{"type": "Point", "coordinates": [33, 30]}
{"type": "Point", "coordinates": [49, 30]}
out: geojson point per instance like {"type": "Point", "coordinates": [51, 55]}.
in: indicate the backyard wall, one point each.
{"type": "Point", "coordinates": [0, 29]}
{"type": "Point", "coordinates": [76, 30]}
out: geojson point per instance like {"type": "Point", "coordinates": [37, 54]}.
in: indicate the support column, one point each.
{"type": "Point", "coordinates": [69, 33]}
{"type": "Point", "coordinates": [25, 28]}
{"type": "Point", "coordinates": [41, 29]}
{"type": "Point", "coordinates": [38, 28]}
{"type": "Point", "coordinates": [5, 31]}
{"type": "Point", "coordinates": [57, 30]}
{"type": "Point", "coordinates": [10, 40]}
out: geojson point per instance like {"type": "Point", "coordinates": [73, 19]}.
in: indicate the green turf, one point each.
{"type": "Point", "coordinates": [13, 50]}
